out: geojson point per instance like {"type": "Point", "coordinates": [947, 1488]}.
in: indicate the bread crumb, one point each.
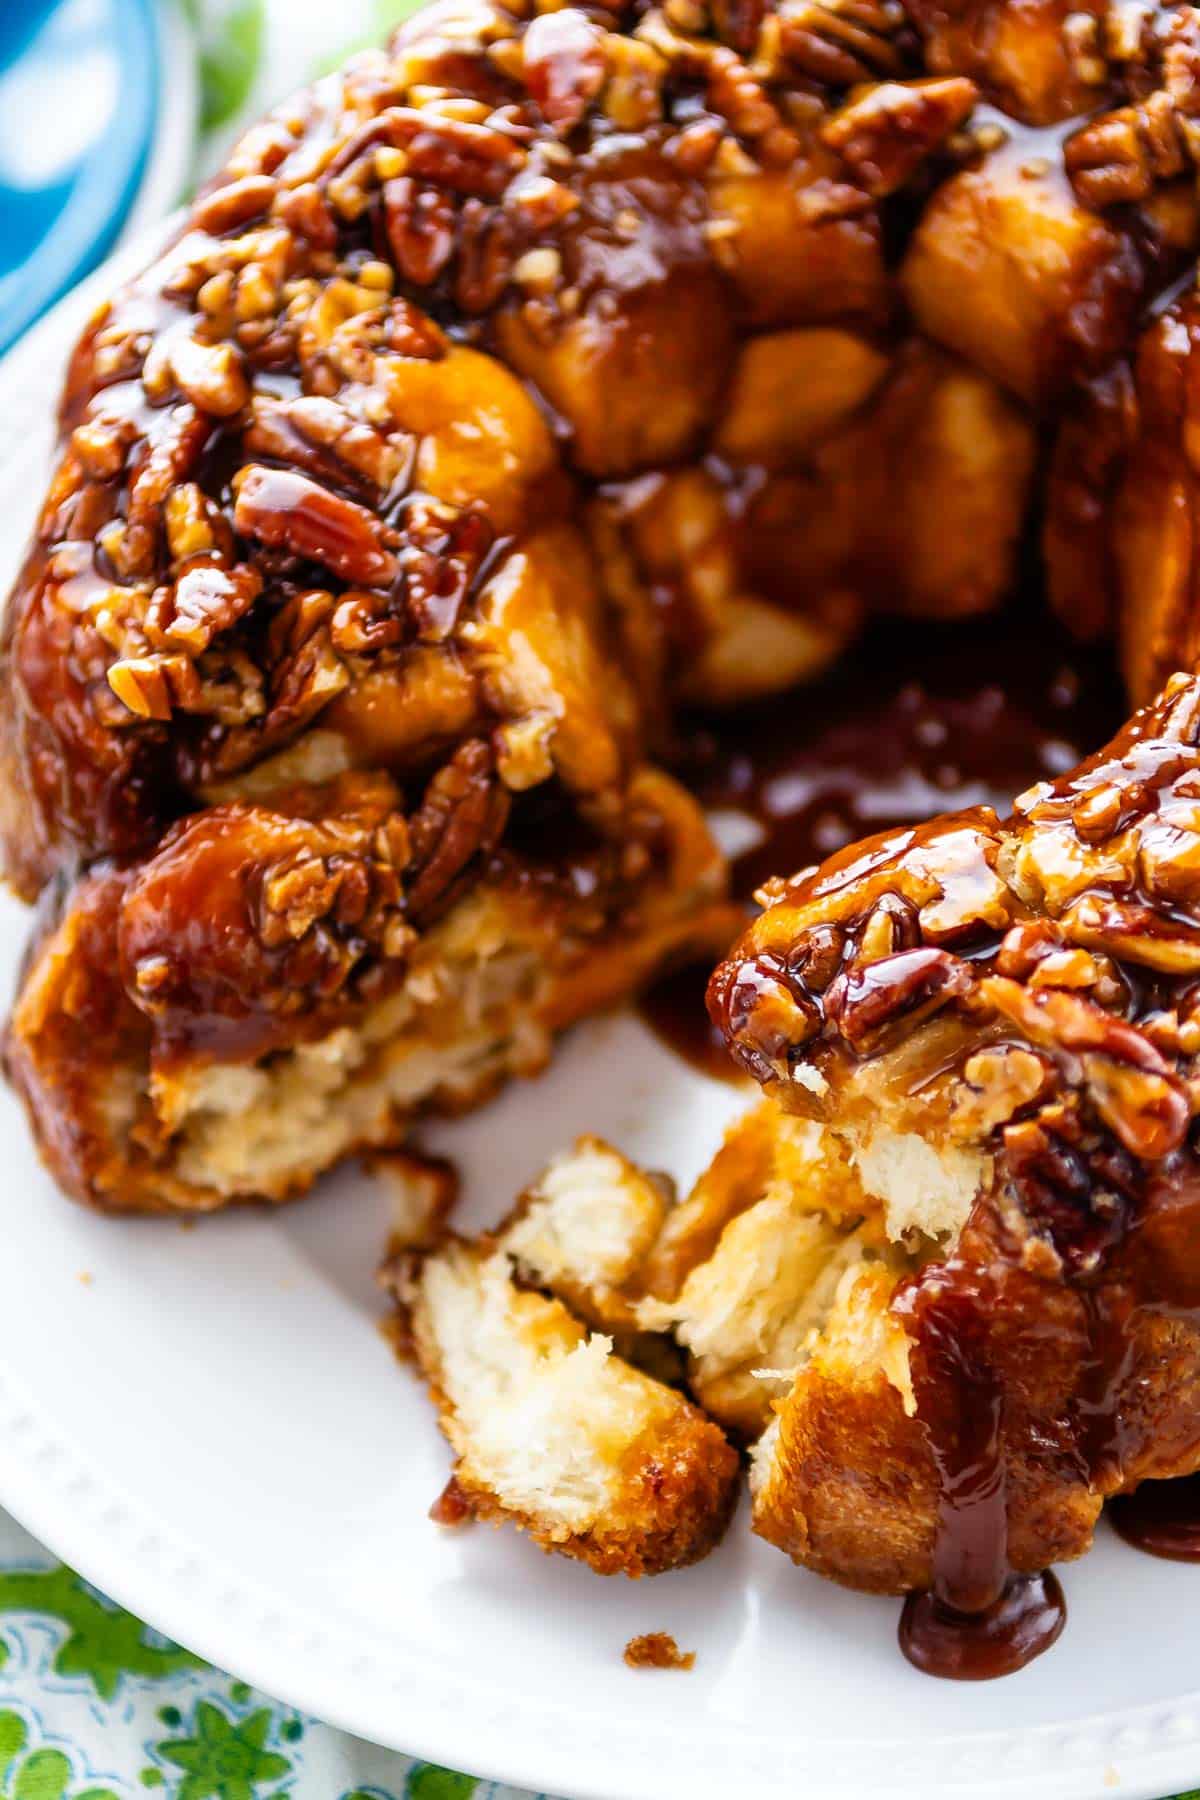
{"type": "Point", "coordinates": [657, 1650]}
{"type": "Point", "coordinates": [424, 1190]}
{"type": "Point", "coordinates": [1111, 1778]}
{"type": "Point", "coordinates": [451, 1508]}
{"type": "Point", "coordinates": [86, 1277]}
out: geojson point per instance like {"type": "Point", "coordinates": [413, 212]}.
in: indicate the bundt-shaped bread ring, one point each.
{"type": "Point", "coordinates": [515, 385]}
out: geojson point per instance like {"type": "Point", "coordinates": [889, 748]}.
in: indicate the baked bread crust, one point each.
{"type": "Point", "coordinates": [998, 1013]}
{"type": "Point", "coordinates": [259, 996]}
{"type": "Point", "coordinates": [553, 1430]}
{"type": "Point", "coordinates": [509, 389]}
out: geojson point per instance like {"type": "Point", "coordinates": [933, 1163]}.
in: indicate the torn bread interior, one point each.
{"type": "Point", "coordinates": [553, 1429]}
{"type": "Point", "coordinates": [285, 981]}
{"type": "Point", "coordinates": [731, 1294]}
{"type": "Point", "coordinates": [994, 1020]}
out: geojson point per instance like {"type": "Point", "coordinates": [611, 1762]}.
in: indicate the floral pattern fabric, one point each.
{"type": "Point", "coordinates": [95, 1705]}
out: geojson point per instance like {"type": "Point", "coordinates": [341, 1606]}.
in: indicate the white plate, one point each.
{"type": "Point", "coordinates": [212, 1430]}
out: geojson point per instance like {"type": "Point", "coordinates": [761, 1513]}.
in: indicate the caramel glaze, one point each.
{"type": "Point", "coordinates": [917, 722]}
{"type": "Point", "coordinates": [981, 1618]}
{"type": "Point", "coordinates": [1162, 1517]}
{"type": "Point", "coordinates": [1053, 1353]}
{"type": "Point", "coordinates": [1026, 1617]}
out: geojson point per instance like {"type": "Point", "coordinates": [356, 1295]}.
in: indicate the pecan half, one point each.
{"type": "Point", "coordinates": [886, 134]}
{"type": "Point", "coordinates": [287, 511]}
{"type": "Point", "coordinates": [565, 65]}
{"type": "Point", "coordinates": [462, 815]}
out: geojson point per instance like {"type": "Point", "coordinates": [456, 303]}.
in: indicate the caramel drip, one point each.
{"type": "Point", "coordinates": [1161, 1517]}
{"type": "Point", "coordinates": [1025, 1619]}
{"type": "Point", "coordinates": [980, 1619]}
{"type": "Point", "coordinates": [917, 724]}
{"type": "Point", "coordinates": [960, 1400]}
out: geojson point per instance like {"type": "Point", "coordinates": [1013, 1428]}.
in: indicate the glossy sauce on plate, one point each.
{"type": "Point", "coordinates": [922, 718]}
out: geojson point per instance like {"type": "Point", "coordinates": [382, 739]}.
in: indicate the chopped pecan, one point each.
{"type": "Point", "coordinates": [736, 94]}
{"type": "Point", "coordinates": [841, 42]}
{"type": "Point", "coordinates": [192, 524]}
{"type": "Point", "coordinates": [885, 135]}
{"type": "Point", "coordinates": [1060, 1196]}
{"type": "Point", "coordinates": [364, 622]}
{"type": "Point", "coordinates": [1000, 1081]}
{"type": "Point", "coordinates": [764, 1009]}
{"type": "Point", "coordinates": [565, 65]}
{"type": "Point", "coordinates": [321, 437]}
{"type": "Point", "coordinates": [306, 213]}
{"type": "Point", "coordinates": [295, 896]}
{"type": "Point", "coordinates": [206, 600]}
{"type": "Point", "coordinates": [485, 257]}
{"type": "Point", "coordinates": [211, 375]}
{"type": "Point", "coordinates": [232, 205]}
{"type": "Point", "coordinates": [288, 511]}
{"type": "Point", "coordinates": [866, 998]}
{"type": "Point", "coordinates": [466, 157]}
{"type": "Point", "coordinates": [462, 815]}
{"type": "Point", "coordinates": [445, 548]}
{"type": "Point", "coordinates": [101, 445]}
{"type": "Point", "coordinates": [170, 457]}
{"type": "Point", "coordinates": [141, 685]}
{"type": "Point", "coordinates": [410, 332]}
{"type": "Point", "coordinates": [422, 224]}
{"type": "Point", "coordinates": [739, 22]}
{"type": "Point", "coordinates": [632, 96]}
{"type": "Point", "coordinates": [1120, 158]}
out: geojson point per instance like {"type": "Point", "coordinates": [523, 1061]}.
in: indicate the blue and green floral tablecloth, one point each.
{"type": "Point", "coordinates": [94, 1705]}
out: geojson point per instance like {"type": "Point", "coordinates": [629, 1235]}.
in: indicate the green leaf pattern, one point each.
{"type": "Point", "coordinates": [114, 1689]}
{"type": "Point", "coordinates": [37, 1773]}
{"type": "Point", "coordinates": [224, 1759]}
{"type": "Point", "coordinates": [102, 1643]}
{"type": "Point", "coordinates": [231, 36]}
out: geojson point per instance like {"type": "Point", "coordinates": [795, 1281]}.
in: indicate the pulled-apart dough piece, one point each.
{"type": "Point", "coordinates": [746, 1268]}
{"type": "Point", "coordinates": [281, 984]}
{"type": "Point", "coordinates": [585, 1228]}
{"type": "Point", "coordinates": [772, 1278]}
{"type": "Point", "coordinates": [1011, 1007]}
{"type": "Point", "coordinates": [740, 1276]}
{"type": "Point", "coordinates": [555, 1432]}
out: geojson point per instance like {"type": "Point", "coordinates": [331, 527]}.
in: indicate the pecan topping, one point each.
{"type": "Point", "coordinates": [461, 817]}
{"type": "Point", "coordinates": [565, 65]}
{"type": "Point", "coordinates": [288, 511]}
{"type": "Point", "coordinates": [207, 599]}
{"type": "Point", "coordinates": [885, 135]}
{"type": "Point", "coordinates": [233, 205]}
{"type": "Point", "coordinates": [421, 227]}
{"type": "Point", "coordinates": [841, 42]}
{"type": "Point", "coordinates": [1121, 157]}
{"type": "Point", "coordinates": [1059, 1034]}
{"type": "Point", "coordinates": [866, 998]}
{"type": "Point", "coordinates": [211, 375]}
